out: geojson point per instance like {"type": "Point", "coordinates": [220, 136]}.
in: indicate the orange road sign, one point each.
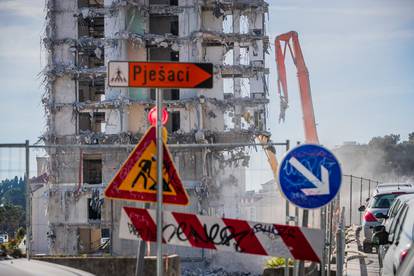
{"type": "Point", "coordinates": [160, 74]}
{"type": "Point", "coordinates": [137, 177]}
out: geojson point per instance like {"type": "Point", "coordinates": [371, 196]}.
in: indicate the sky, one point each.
{"type": "Point", "coordinates": [359, 55]}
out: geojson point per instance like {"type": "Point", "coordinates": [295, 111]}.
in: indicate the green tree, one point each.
{"type": "Point", "coordinates": [387, 140]}
{"type": "Point", "coordinates": [11, 217]}
{"type": "Point", "coordinates": [411, 138]}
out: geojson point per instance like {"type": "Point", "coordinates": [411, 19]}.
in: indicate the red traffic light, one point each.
{"type": "Point", "coordinates": [152, 116]}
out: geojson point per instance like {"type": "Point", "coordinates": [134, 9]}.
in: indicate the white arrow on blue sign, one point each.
{"type": "Point", "coordinates": [310, 176]}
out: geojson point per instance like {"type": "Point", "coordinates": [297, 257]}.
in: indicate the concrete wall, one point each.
{"type": "Point", "coordinates": [109, 266]}
{"type": "Point", "coordinates": [39, 218]}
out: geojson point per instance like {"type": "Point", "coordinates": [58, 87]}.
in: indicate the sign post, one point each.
{"type": "Point", "coordinates": [310, 177]}
{"type": "Point", "coordinates": [156, 75]}
{"type": "Point", "coordinates": [160, 148]}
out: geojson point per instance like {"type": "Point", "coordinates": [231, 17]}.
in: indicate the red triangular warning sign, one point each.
{"type": "Point", "coordinates": [137, 177]}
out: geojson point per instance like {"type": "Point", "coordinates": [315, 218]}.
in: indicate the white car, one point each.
{"type": "Point", "coordinates": [388, 220]}
{"type": "Point", "coordinates": [407, 267]}
{"type": "Point", "coordinates": [399, 238]}
{"type": "Point", "coordinates": [379, 203]}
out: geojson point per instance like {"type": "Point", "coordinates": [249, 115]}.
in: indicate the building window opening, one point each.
{"type": "Point", "coordinates": [92, 90]}
{"type": "Point", "coordinates": [229, 120]}
{"type": "Point", "coordinates": [174, 26]}
{"type": "Point", "coordinates": [91, 58]}
{"type": "Point", "coordinates": [244, 24]}
{"type": "Point", "coordinates": [105, 236]}
{"type": "Point", "coordinates": [91, 27]}
{"type": "Point", "coordinates": [96, 123]}
{"type": "Point", "coordinates": [260, 119]}
{"type": "Point", "coordinates": [94, 210]}
{"type": "Point", "coordinates": [173, 123]}
{"type": "Point", "coordinates": [175, 56]}
{"type": "Point", "coordinates": [228, 23]}
{"type": "Point", "coordinates": [167, 94]}
{"type": "Point", "coordinates": [90, 3]}
{"type": "Point", "coordinates": [92, 168]}
{"type": "Point", "coordinates": [161, 24]}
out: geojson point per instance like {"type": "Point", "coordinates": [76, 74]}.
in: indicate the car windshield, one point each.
{"type": "Point", "coordinates": [383, 201]}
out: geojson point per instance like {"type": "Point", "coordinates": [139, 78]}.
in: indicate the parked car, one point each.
{"type": "Point", "coordinates": [397, 185]}
{"type": "Point", "coordinates": [399, 238]}
{"type": "Point", "coordinates": [389, 219]}
{"type": "Point", "coordinates": [4, 238]}
{"type": "Point", "coordinates": [407, 266]}
{"type": "Point", "coordinates": [3, 253]}
{"type": "Point", "coordinates": [380, 202]}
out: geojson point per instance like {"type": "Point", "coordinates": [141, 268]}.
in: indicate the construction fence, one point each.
{"type": "Point", "coordinates": [31, 162]}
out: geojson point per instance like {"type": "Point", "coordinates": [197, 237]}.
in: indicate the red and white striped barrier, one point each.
{"type": "Point", "coordinates": [224, 234]}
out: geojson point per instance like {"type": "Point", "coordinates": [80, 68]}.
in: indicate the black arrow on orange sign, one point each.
{"type": "Point", "coordinates": [170, 75]}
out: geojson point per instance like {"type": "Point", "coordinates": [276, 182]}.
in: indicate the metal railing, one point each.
{"type": "Point", "coordinates": [359, 191]}
{"type": "Point", "coordinates": [28, 162]}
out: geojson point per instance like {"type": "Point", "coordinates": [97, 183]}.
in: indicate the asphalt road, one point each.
{"type": "Point", "coordinates": [23, 267]}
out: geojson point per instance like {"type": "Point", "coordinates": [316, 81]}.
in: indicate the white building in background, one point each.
{"type": "Point", "coordinates": [82, 36]}
{"type": "Point", "coordinates": [266, 205]}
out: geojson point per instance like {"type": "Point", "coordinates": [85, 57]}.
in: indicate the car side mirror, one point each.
{"type": "Point", "coordinates": [379, 228]}
{"type": "Point", "coordinates": [381, 216]}
{"type": "Point", "coordinates": [361, 208]}
{"type": "Point", "coordinates": [380, 237]}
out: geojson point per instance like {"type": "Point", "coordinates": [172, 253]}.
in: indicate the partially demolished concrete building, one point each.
{"type": "Point", "coordinates": [82, 36]}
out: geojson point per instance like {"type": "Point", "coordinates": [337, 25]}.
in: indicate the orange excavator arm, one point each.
{"type": "Point", "coordinates": [289, 41]}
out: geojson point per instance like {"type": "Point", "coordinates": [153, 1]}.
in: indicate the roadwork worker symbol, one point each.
{"type": "Point", "coordinates": [145, 174]}
{"type": "Point", "coordinates": [136, 179]}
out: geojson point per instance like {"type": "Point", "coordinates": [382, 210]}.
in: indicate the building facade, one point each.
{"type": "Point", "coordinates": [82, 36]}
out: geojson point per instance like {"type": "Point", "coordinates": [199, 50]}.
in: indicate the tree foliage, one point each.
{"type": "Point", "coordinates": [11, 218]}
{"type": "Point", "coordinates": [385, 158]}
{"type": "Point", "coordinates": [12, 205]}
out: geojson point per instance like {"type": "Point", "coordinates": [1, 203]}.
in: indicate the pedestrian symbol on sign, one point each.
{"type": "Point", "coordinates": [119, 74]}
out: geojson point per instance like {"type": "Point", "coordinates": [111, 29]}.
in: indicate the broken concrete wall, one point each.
{"type": "Point", "coordinates": [118, 121]}
{"type": "Point", "coordinates": [82, 109]}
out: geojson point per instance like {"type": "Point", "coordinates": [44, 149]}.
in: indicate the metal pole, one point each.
{"type": "Point", "coordinates": [360, 201]}
{"type": "Point", "coordinates": [130, 146]}
{"type": "Point", "coordinates": [28, 204]}
{"type": "Point", "coordinates": [287, 219]}
{"type": "Point", "coordinates": [296, 263]}
{"type": "Point", "coordinates": [112, 229]}
{"type": "Point", "coordinates": [339, 263]}
{"type": "Point", "coordinates": [160, 266]}
{"type": "Point", "coordinates": [350, 202]}
{"type": "Point", "coordinates": [331, 207]}
{"type": "Point", "coordinates": [139, 267]}
{"type": "Point", "coordinates": [369, 188]}
{"type": "Point", "coordinates": [305, 219]}
{"type": "Point", "coordinates": [323, 228]}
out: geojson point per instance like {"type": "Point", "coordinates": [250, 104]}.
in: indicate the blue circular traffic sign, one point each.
{"type": "Point", "coordinates": [309, 176]}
